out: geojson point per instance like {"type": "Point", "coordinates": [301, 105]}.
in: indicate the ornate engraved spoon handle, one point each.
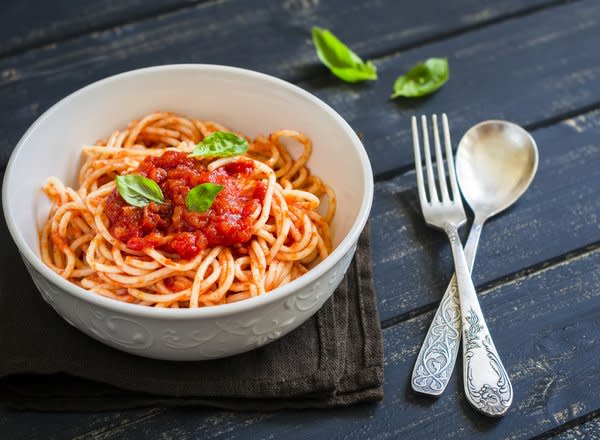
{"type": "Point", "coordinates": [438, 353]}
{"type": "Point", "coordinates": [486, 382]}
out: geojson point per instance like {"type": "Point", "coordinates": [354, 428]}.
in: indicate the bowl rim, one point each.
{"type": "Point", "coordinates": [220, 310]}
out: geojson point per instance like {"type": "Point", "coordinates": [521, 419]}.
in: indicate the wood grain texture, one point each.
{"type": "Point", "coordinates": [557, 215]}
{"type": "Point", "coordinates": [589, 430]}
{"type": "Point", "coordinates": [538, 264]}
{"type": "Point", "coordinates": [274, 38]}
{"type": "Point", "coordinates": [379, 30]}
{"type": "Point", "coordinates": [528, 70]}
{"type": "Point", "coordinates": [19, 425]}
{"type": "Point", "coordinates": [546, 326]}
{"type": "Point", "coordinates": [26, 25]}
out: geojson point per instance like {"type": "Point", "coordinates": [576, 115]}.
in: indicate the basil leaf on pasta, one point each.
{"type": "Point", "coordinates": [200, 198]}
{"type": "Point", "coordinates": [220, 144]}
{"type": "Point", "coordinates": [338, 57]}
{"type": "Point", "coordinates": [139, 190]}
{"type": "Point", "coordinates": [422, 79]}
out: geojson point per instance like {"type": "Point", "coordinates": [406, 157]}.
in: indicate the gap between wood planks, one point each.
{"type": "Point", "coordinates": [511, 278]}
{"type": "Point", "coordinates": [467, 29]}
{"type": "Point", "coordinates": [568, 426]}
{"type": "Point", "coordinates": [508, 279]}
{"type": "Point", "coordinates": [103, 27]}
{"type": "Point", "coordinates": [50, 67]}
{"type": "Point", "coordinates": [372, 55]}
{"type": "Point", "coordinates": [543, 123]}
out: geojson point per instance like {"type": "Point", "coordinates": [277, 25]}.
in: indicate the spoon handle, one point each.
{"type": "Point", "coordinates": [487, 385]}
{"type": "Point", "coordinates": [437, 356]}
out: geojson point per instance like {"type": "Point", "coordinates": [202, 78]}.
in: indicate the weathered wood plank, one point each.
{"type": "Point", "coordinates": [402, 413]}
{"type": "Point", "coordinates": [527, 70]}
{"type": "Point", "coordinates": [25, 25]}
{"type": "Point", "coordinates": [588, 430]}
{"type": "Point", "coordinates": [274, 38]}
{"type": "Point", "coordinates": [546, 327]}
{"type": "Point", "coordinates": [21, 425]}
{"type": "Point", "coordinates": [558, 214]}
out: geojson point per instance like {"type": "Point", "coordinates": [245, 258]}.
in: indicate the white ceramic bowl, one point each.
{"type": "Point", "coordinates": [250, 102]}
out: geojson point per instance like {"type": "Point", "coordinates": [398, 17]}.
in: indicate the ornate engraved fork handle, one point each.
{"type": "Point", "coordinates": [487, 385]}
{"type": "Point", "coordinates": [438, 353]}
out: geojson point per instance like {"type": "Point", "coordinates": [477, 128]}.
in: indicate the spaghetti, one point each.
{"type": "Point", "coordinates": [262, 231]}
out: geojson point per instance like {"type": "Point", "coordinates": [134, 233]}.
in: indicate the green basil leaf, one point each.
{"type": "Point", "coordinates": [201, 197]}
{"type": "Point", "coordinates": [338, 57]}
{"type": "Point", "coordinates": [220, 144]}
{"type": "Point", "coordinates": [422, 79]}
{"type": "Point", "coordinates": [139, 190]}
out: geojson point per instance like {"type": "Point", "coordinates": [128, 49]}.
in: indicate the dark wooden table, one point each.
{"type": "Point", "coordinates": [535, 62]}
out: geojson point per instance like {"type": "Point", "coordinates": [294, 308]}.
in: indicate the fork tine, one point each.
{"type": "Point", "coordinates": [440, 159]}
{"type": "Point", "coordinates": [450, 159]}
{"type": "Point", "coordinates": [418, 162]}
{"type": "Point", "coordinates": [430, 180]}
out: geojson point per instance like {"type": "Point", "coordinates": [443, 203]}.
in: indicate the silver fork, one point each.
{"type": "Point", "coordinates": [486, 382]}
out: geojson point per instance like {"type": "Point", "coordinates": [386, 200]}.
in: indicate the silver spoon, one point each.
{"type": "Point", "coordinates": [495, 163]}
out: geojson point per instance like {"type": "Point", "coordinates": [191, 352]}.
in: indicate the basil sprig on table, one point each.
{"type": "Point", "coordinates": [139, 190]}
{"type": "Point", "coordinates": [338, 57]}
{"type": "Point", "coordinates": [220, 144]}
{"type": "Point", "coordinates": [422, 79]}
{"type": "Point", "coordinates": [201, 197]}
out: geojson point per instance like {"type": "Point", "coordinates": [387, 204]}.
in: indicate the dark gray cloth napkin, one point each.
{"type": "Point", "coordinates": [333, 359]}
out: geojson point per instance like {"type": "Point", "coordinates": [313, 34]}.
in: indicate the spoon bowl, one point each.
{"type": "Point", "coordinates": [495, 163]}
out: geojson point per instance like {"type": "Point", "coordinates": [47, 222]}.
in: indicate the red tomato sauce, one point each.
{"type": "Point", "coordinates": [170, 226]}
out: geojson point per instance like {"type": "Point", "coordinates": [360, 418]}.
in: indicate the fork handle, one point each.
{"type": "Point", "coordinates": [436, 359]}
{"type": "Point", "coordinates": [487, 385]}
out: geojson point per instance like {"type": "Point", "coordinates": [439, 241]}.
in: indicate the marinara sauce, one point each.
{"type": "Point", "coordinates": [170, 226]}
